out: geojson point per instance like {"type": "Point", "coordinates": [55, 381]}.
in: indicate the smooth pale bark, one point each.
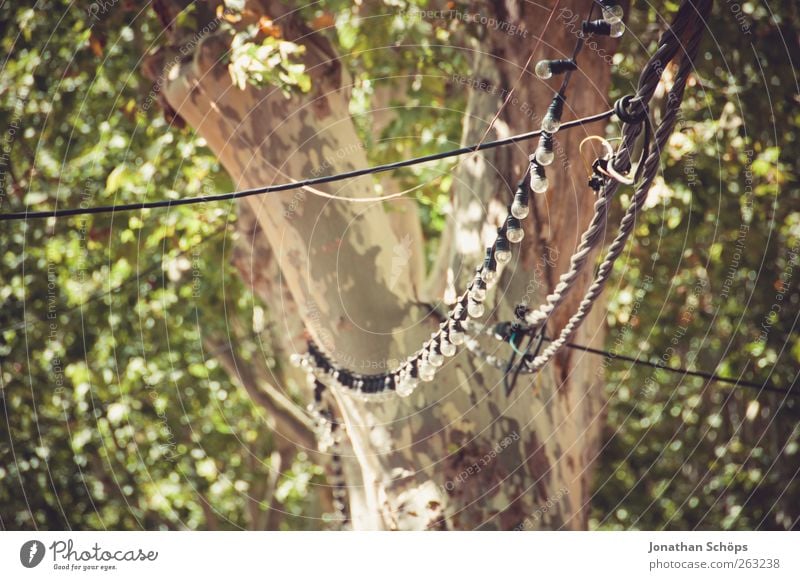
{"type": "Point", "coordinates": [434, 460]}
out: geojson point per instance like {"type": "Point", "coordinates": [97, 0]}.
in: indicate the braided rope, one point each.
{"type": "Point", "coordinates": [663, 132]}
{"type": "Point", "coordinates": [633, 113]}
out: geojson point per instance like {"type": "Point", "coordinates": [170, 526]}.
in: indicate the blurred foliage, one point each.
{"type": "Point", "coordinates": [712, 282]}
{"type": "Point", "coordinates": [117, 416]}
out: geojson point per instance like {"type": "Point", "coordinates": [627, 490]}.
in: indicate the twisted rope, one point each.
{"type": "Point", "coordinates": [652, 162]}
{"type": "Point", "coordinates": [633, 111]}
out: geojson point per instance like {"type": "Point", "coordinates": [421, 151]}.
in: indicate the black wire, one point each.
{"type": "Point", "coordinates": [575, 52]}
{"type": "Point", "coordinates": [24, 215]}
{"type": "Point", "coordinates": [684, 371]}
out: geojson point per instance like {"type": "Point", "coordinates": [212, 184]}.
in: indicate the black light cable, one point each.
{"type": "Point", "coordinates": [543, 156]}
{"type": "Point", "coordinates": [510, 332]}
{"type": "Point", "coordinates": [766, 386]}
{"type": "Point", "coordinates": [169, 203]}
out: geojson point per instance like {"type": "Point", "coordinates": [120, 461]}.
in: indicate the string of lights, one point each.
{"type": "Point", "coordinates": [329, 435]}
{"type": "Point", "coordinates": [501, 331]}
{"type": "Point", "coordinates": [423, 365]}
{"type": "Point", "coordinates": [634, 112]}
{"type": "Point", "coordinates": [544, 156]}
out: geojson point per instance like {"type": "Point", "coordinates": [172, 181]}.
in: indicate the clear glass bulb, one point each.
{"type": "Point", "coordinates": [475, 309]}
{"type": "Point", "coordinates": [489, 276]}
{"type": "Point", "coordinates": [519, 210]}
{"type": "Point", "coordinates": [406, 386]}
{"type": "Point", "coordinates": [477, 293]}
{"type": "Point", "coordinates": [515, 235]}
{"type": "Point", "coordinates": [503, 256]}
{"type": "Point", "coordinates": [550, 123]}
{"type": "Point", "coordinates": [617, 29]}
{"type": "Point", "coordinates": [613, 14]}
{"type": "Point", "coordinates": [543, 70]}
{"type": "Point", "coordinates": [426, 371]}
{"type": "Point", "coordinates": [447, 348]}
{"type": "Point", "coordinates": [539, 183]}
{"type": "Point", "coordinates": [435, 359]}
{"type": "Point", "coordinates": [455, 336]}
{"type": "Point", "coordinates": [544, 156]}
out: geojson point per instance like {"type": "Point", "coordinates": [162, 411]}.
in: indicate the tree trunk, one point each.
{"type": "Point", "coordinates": [458, 453]}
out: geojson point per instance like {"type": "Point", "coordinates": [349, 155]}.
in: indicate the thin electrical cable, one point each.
{"type": "Point", "coordinates": [682, 370]}
{"type": "Point", "coordinates": [636, 361]}
{"type": "Point", "coordinates": [265, 189]}
{"type": "Point", "coordinates": [577, 50]}
{"type": "Point", "coordinates": [312, 190]}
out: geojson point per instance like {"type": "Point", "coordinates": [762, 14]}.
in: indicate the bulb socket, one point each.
{"type": "Point", "coordinates": [562, 65]}
{"type": "Point", "coordinates": [603, 28]}
{"type": "Point", "coordinates": [556, 108]}
{"type": "Point", "coordinates": [489, 262]}
{"type": "Point", "coordinates": [501, 243]}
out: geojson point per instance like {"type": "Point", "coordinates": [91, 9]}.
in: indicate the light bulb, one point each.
{"type": "Point", "coordinates": [539, 184]}
{"type": "Point", "coordinates": [503, 256]}
{"type": "Point", "coordinates": [613, 14]}
{"type": "Point", "coordinates": [514, 232]}
{"type": "Point", "coordinates": [296, 359]}
{"type": "Point", "coordinates": [489, 276]}
{"type": "Point", "coordinates": [604, 28]}
{"type": "Point", "coordinates": [447, 348]}
{"type": "Point", "coordinates": [519, 209]}
{"type": "Point", "coordinates": [544, 157]}
{"type": "Point", "coordinates": [543, 69]}
{"type": "Point", "coordinates": [426, 371]}
{"type": "Point", "coordinates": [502, 249]}
{"type": "Point", "coordinates": [455, 334]}
{"type": "Point", "coordinates": [617, 29]}
{"type": "Point", "coordinates": [475, 309]}
{"type": "Point", "coordinates": [407, 385]}
{"type": "Point", "coordinates": [477, 293]}
{"type": "Point", "coordinates": [515, 235]}
{"type": "Point", "coordinates": [544, 151]}
{"type": "Point", "coordinates": [552, 120]}
{"type": "Point", "coordinates": [435, 359]}
{"type": "Point", "coordinates": [550, 123]}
